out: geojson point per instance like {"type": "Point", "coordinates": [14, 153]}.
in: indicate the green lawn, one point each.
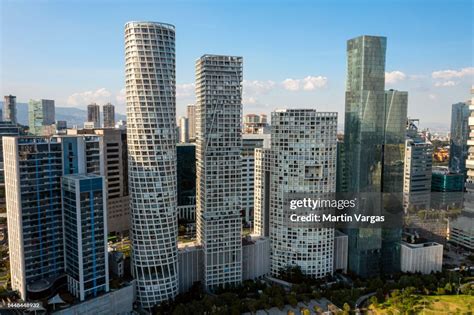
{"type": "Point", "coordinates": [434, 305]}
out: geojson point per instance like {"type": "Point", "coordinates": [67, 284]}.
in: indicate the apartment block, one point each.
{"type": "Point", "coordinates": [85, 235]}
{"type": "Point", "coordinates": [219, 168]}
{"type": "Point", "coordinates": [304, 152]}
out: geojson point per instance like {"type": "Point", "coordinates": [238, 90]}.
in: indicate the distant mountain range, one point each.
{"type": "Point", "coordinates": [73, 116]}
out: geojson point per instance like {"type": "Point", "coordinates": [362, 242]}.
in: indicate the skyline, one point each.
{"type": "Point", "coordinates": [75, 62]}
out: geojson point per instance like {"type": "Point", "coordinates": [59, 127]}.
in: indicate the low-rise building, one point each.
{"type": "Point", "coordinates": [423, 257]}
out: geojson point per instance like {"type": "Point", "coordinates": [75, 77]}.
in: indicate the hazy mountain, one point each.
{"type": "Point", "coordinates": [73, 116]}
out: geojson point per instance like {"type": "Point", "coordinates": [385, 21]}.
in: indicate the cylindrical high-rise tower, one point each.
{"type": "Point", "coordinates": [151, 137]}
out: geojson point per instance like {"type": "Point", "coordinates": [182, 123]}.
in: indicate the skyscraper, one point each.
{"type": "Point", "coordinates": [41, 117]}
{"type": "Point", "coordinates": [93, 114]}
{"type": "Point", "coordinates": [33, 170]}
{"type": "Point", "coordinates": [461, 229]}
{"type": "Point", "coordinates": [191, 112]}
{"type": "Point", "coordinates": [150, 72]}
{"type": "Point", "coordinates": [183, 130]}
{"type": "Point", "coordinates": [85, 234]}
{"type": "Point", "coordinates": [394, 135]}
{"type": "Point", "coordinates": [374, 134]}
{"type": "Point", "coordinates": [418, 167]}
{"type": "Point", "coordinates": [459, 136]}
{"type": "Point", "coordinates": [109, 115]}
{"type": "Point", "coordinates": [218, 168]}
{"type": "Point", "coordinates": [304, 154]}
{"type": "Point", "coordinates": [249, 143]}
{"type": "Point", "coordinates": [9, 108]}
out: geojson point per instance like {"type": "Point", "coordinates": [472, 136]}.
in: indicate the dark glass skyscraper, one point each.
{"type": "Point", "coordinates": [459, 134]}
{"type": "Point", "coordinates": [373, 149]}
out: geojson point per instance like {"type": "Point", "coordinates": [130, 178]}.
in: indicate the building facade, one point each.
{"type": "Point", "coordinates": [458, 137]}
{"type": "Point", "coordinates": [93, 114]}
{"type": "Point", "coordinates": [7, 128]}
{"type": "Point", "coordinates": [85, 235]}
{"type": "Point", "coordinates": [183, 130]}
{"type": "Point", "coordinates": [41, 117]}
{"type": "Point", "coordinates": [374, 135]}
{"type": "Point", "coordinates": [109, 115]}
{"type": "Point", "coordinates": [186, 178]}
{"type": "Point", "coordinates": [33, 170]}
{"type": "Point", "coordinates": [250, 142]}
{"type": "Point", "coordinates": [254, 124]}
{"type": "Point", "coordinates": [150, 75]}
{"type": "Point", "coordinates": [261, 216]}
{"type": "Point", "coordinates": [461, 229]}
{"type": "Point", "coordinates": [304, 161]}
{"type": "Point", "coordinates": [191, 114]}
{"type": "Point", "coordinates": [219, 168]}
{"type": "Point", "coordinates": [417, 173]}
{"type": "Point", "coordinates": [9, 108]}
{"type": "Point", "coordinates": [424, 258]}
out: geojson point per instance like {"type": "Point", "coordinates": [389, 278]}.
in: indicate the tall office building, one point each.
{"type": "Point", "coordinates": [93, 114]}
{"type": "Point", "coordinates": [249, 143]}
{"type": "Point", "coordinates": [183, 130]}
{"type": "Point", "coordinates": [461, 229]}
{"type": "Point", "coordinates": [304, 161]}
{"type": "Point", "coordinates": [41, 117]}
{"type": "Point", "coordinates": [150, 74]}
{"type": "Point", "coordinates": [459, 136]}
{"type": "Point", "coordinates": [374, 134]}
{"type": "Point", "coordinates": [219, 167]}
{"type": "Point", "coordinates": [85, 235]}
{"type": "Point", "coordinates": [9, 108]}
{"type": "Point", "coordinates": [33, 170]}
{"type": "Point", "coordinates": [417, 169]}
{"type": "Point", "coordinates": [191, 113]}
{"type": "Point", "coordinates": [113, 151]}
{"type": "Point", "coordinates": [394, 135]}
{"type": "Point", "coordinates": [108, 111]}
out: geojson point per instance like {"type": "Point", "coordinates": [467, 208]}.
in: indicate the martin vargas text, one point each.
{"type": "Point", "coordinates": [337, 218]}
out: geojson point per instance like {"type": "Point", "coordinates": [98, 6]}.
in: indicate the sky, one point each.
{"type": "Point", "coordinates": [294, 51]}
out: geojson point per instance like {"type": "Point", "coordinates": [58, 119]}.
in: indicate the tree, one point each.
{"type": "Point", "coordinates": [346, 309]}
{"type": "Point", "coordinates": [292, 300]}
{"type": "Point", "coordinates": [448, 288]}
{"type": "Point", "coordinates": [374, 301]}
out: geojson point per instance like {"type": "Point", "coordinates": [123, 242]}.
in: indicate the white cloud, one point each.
{"type": "Point", "coordinates": [121, 97]}
{"type": "Point", "coordinates": [446, 83]}
{"type": "Point", "coordinates": [394, 77]}
{"type": "Point", "coordinates": [185, 90]}
{"type": "Point", "coordinates": [451, 74]}
{"type": "Point", "coordinates": [249, 100]}
{"type": "Point", "coordinates": [309, 83]}
{"type": "Point", "coordinates": [100, 96]}
{"type": "Point", "coordinates": [312, 83]}
{"type": "Point", "coordinates": [258, 87]}
{"type": "Point", "coordinates": [291, 84]}
{"type": "Point", "coordinates": [432, 96]}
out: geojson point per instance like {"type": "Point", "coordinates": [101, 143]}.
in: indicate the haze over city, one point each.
{"type": "Point", "coordinates": [294, 54]}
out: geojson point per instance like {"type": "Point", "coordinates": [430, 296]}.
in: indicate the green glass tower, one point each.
{"type": "Point", "coordinates": [373, 151]}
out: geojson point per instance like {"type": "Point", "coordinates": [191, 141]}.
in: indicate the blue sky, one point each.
{"type": "Point", "coordinates": [294, 51]}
